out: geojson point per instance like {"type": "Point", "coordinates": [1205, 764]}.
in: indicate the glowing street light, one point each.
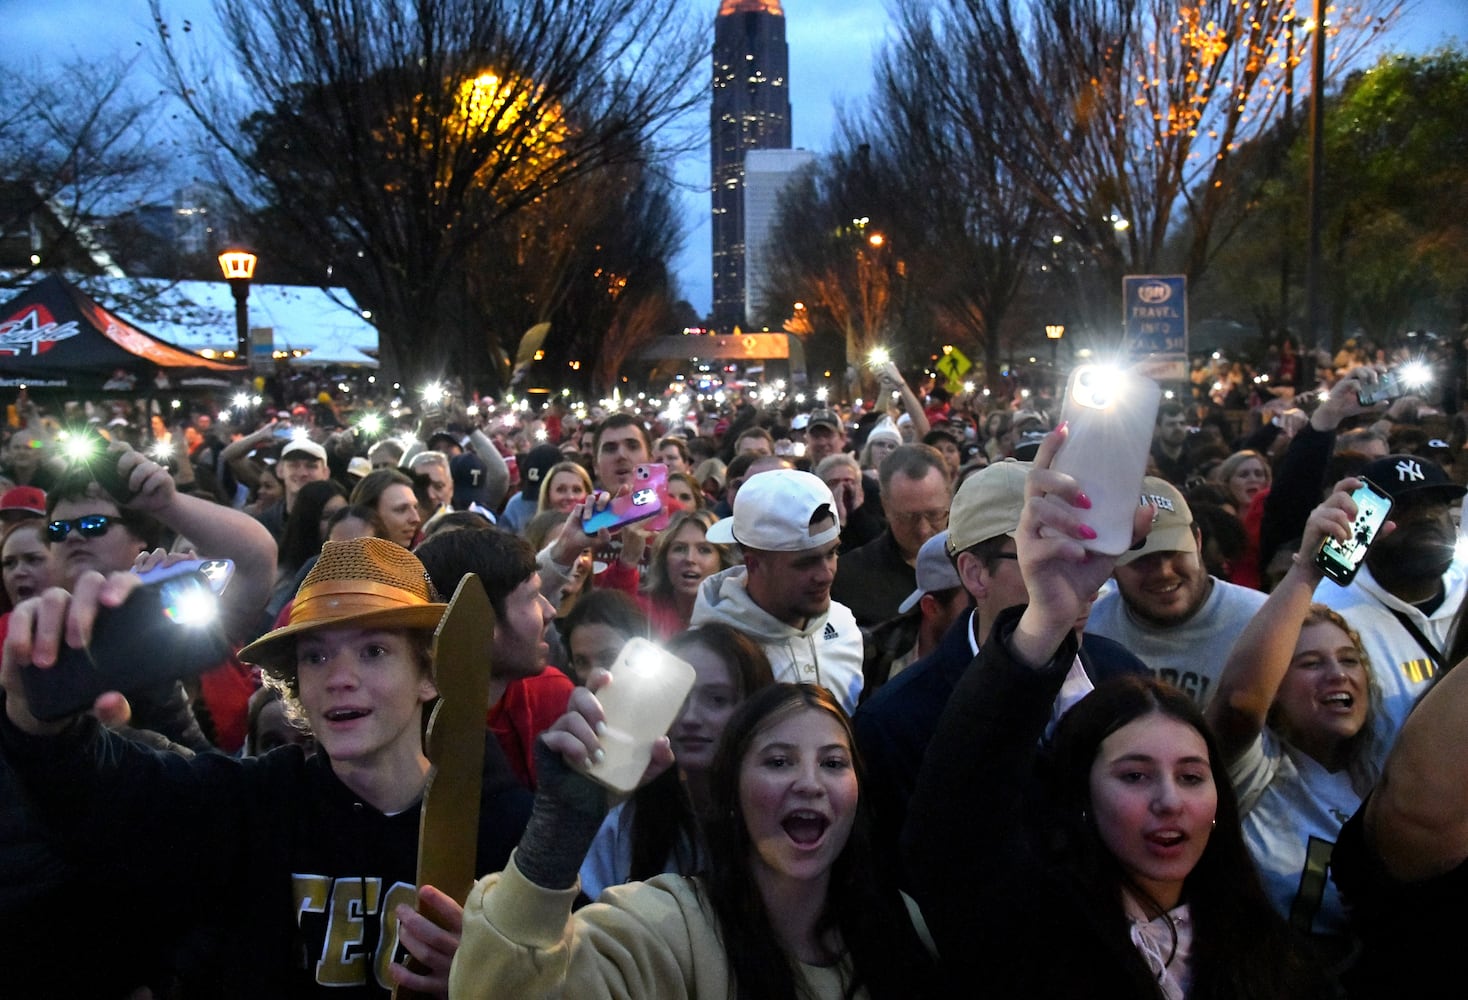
{"type": "Point", "coordinates": [239, 270]}
{"type": "Point", "coordinates": [1053, 332]}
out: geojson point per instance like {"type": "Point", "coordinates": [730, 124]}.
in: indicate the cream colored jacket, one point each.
{"type": "Point", "coordinates": [654, 939]}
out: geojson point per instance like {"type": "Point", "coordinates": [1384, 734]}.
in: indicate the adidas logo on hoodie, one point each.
{"type": "Point", "coordinates": [830, 632]}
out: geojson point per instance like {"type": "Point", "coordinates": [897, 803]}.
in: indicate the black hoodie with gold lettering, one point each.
{"type": "Point", "coordinates": [264, 876]}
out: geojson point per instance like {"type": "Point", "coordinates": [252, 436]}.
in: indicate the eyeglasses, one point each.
{"type": "Point", "coordinates": [90, 526]}
{"type": "Point", "coordinates": [937, 519]}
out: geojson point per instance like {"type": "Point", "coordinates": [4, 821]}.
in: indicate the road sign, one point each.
{"type": "Point", "coordinates": [1156, 323]}
{"type": "Point", "coordinates": [953, 365]}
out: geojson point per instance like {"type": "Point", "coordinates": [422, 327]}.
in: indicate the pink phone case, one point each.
{"type": "Point", "coordinates": [639, 505]}
{"type": "Point", "coordinates": [655, 474]}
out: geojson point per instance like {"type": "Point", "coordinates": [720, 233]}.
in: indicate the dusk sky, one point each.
{"type": "Point", "coordinates": [831, 47]}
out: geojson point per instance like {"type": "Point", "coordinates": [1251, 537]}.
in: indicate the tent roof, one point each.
{"type": "Point", "coordinates": [200, 315]}
{"type": "Point", "coordinates": [53, 335]}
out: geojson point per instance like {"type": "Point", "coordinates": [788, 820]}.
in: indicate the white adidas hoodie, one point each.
{"type": "Point", "coordinates": [828, 651]}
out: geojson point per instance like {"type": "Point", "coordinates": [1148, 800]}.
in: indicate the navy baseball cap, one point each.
{"type": "Point", "coordinates": [1409, 475]}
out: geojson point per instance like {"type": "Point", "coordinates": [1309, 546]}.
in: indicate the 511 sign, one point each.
{"type": "Point", "coordinates": [1156, 323]}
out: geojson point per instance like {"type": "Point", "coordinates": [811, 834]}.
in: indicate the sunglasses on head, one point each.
{"type": "Point", "coordinates": [90, 526]}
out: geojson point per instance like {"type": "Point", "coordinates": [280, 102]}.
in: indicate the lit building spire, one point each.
{"type": "Point", "coordinates": [751, 7]}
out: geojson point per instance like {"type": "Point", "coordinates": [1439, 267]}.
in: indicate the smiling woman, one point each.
{"type": "Point", "coordinates": [1107, 861]}
{"type": "Point", "coordinates": [1298, 718]}
{"type": "Point", "coordinates": [792, 905]}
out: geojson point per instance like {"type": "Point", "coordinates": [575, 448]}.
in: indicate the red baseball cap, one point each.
{"type": "Point", "coordinates": [24, 499]}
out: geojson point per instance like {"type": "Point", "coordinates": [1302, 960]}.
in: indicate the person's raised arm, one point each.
{"type": "Point", "coordinates": [519, 935]}
{"type": "Point", "coordinates": [237, 451]}
{"type": "Point", "coordinates": [1260, 657]}
{"type": "Point", "coordinates": [217, 531]}
{"type": "Point", "coordinates": [39, 627]}
{"type": "Point", "coordinates": [496, 472]}
{"type": "Point", "coordinates": [891, 379]}
{"type": "Point", "coordinates": [1060, 574]}
{"type": "Point", "coordinates": [1417, 816]}
{"type": "Point", "coordinates": [981, 760]}
{"type": "Point", "coordinates": [1301, 470]}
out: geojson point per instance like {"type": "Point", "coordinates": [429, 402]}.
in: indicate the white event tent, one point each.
{"type": "Point", "coordinates": [323, 323]}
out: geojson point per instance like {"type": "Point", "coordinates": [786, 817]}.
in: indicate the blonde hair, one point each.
{"type": "Point", "coordinates": [543, 503]}
{"type": "Point", "coordinates": [658, 582]}
{"type": "Point", "coordinates": [1365, 750]}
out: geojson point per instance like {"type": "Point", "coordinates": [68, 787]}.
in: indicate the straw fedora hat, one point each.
{"type": "Point", "coordinates": [355, 583]}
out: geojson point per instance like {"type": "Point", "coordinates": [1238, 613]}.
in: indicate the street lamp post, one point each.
{"type": "Point", "coordinates": [1054, 332]}
{"type": "Point", "coordinates": [1317, 178]}
{"type": "Point", "coordinates": [239, 268]}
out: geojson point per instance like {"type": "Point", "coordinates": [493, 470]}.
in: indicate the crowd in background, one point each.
{"type": "Point", "coordinates": [1219, 773]}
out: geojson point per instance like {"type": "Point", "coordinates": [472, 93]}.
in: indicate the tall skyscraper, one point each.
{"type": "Point", "coordinates": [767, 172]}
{"type": "Point", "coordinates": [751, 110]}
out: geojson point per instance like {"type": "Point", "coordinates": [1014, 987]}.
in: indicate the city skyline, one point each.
{"type": "Point", "coordinates": [832, 44]}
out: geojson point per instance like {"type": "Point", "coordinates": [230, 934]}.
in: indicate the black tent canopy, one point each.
{"type": "Point", "coordinates": [54, 336]}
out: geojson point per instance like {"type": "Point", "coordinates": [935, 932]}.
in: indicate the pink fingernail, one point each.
{"type": "Point", "coordinates": [1086, 531]}
{"type": "Point", "coordinates": [1083, 501]}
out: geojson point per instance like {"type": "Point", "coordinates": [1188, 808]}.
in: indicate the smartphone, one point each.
{"type": "Point", "coordinates": [639, 505]}
{"type": "Point", "coordinates": [1389, 386]}
{"type": "Point", "coordinates": [162, 632]}
{"type": "Point", "coordinates": [655, 475]}
{"type": "Point", "coordinates": [1340, 560]}
{"type": "Point", "coordinates": [1111, 412]}
{"type": "Point", "coordinates": [216, 572]}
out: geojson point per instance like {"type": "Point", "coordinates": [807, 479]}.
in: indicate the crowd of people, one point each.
{"type": "Point", "coordinates": [935, 745]}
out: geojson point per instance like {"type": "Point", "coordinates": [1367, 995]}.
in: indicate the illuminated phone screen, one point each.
{"type": "Point", "coordinates": [1340, 560]}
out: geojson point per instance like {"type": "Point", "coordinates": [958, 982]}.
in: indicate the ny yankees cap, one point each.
{"type": "Point", "coordinates": [1404, 475]}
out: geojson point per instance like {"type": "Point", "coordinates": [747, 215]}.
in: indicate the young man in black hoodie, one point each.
{"type": "Point", "coordinates": [299, 870]}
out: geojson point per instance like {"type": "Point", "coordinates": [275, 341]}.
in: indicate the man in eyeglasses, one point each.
{"type": "Point", "coordinates": [874, 579]}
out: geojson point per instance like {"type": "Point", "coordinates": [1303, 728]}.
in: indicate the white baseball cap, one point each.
{"type": "Point", "coordinates": [304, 446]}
{"type": "Point", "coordinates": [773, 512]}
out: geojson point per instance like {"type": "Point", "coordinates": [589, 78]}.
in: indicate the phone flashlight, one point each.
{"type": "Point", "coordinates": [1097, 386]}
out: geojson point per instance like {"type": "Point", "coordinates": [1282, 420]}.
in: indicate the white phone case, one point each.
{"type": "Point", "coordinates": [1111, 413]}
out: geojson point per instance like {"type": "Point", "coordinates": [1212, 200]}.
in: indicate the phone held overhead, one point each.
{"type": "Point", "coordinates": [1340, 560]}
{"type": "Point", "coordinates": [1110, 413]}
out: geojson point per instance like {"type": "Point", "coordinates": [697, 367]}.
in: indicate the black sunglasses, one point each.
{"type": "Point", "coordinates": [90, 526]}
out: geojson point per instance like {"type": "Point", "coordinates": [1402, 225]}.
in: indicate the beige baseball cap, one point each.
{"type": "Point", "coordinates": [987, 505]}
{"type": "Point", "coordinates": [1172, 521]}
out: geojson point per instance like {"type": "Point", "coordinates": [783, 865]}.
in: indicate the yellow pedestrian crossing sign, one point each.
{"type": "Point", "coordinates": [953, 365]}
